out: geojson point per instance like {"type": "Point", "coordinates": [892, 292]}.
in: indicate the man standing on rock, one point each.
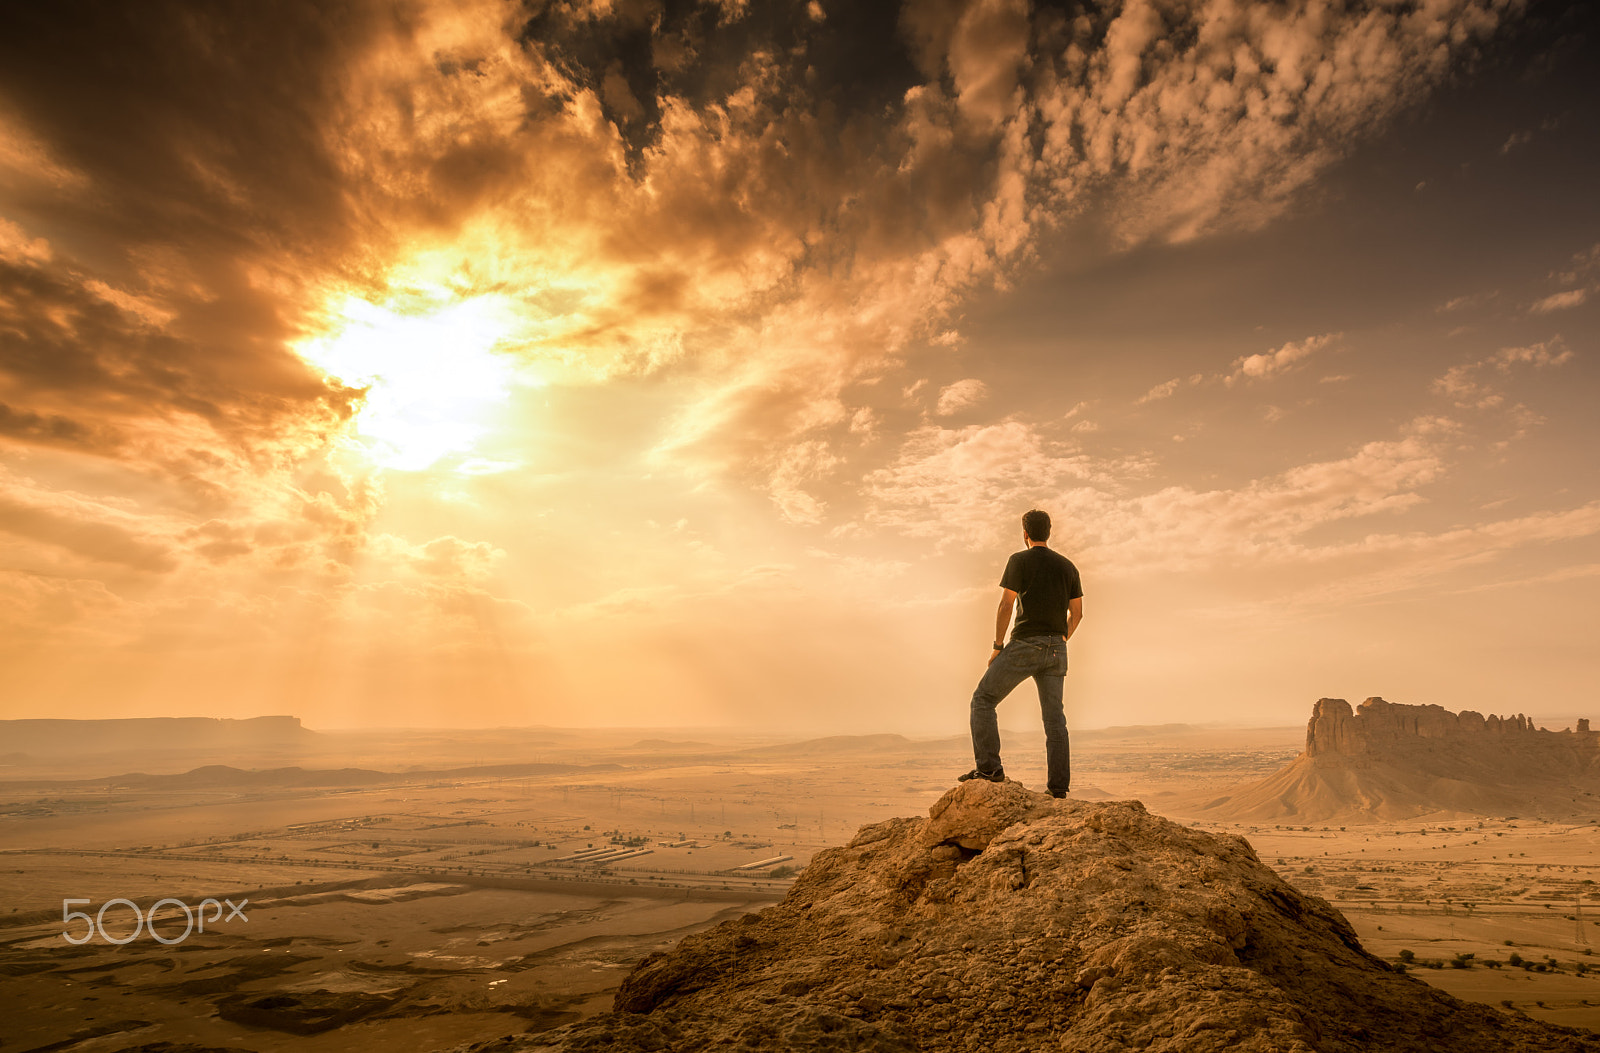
{"type": "Point", "coordinates": [1052, 606]}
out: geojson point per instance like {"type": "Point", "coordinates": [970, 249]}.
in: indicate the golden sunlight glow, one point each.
{"type": "Point", "coordinates": [433, 368]}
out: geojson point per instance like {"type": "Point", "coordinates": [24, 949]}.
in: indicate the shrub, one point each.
{"type": "Point", "coordinates": [1407, 956]}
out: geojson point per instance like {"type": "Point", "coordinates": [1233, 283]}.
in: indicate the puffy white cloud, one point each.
{"type": "Point", "coordinates": [1471, 383]}
{"type": "Point", "coordinates": [1179, 527]}
{"type": "Point", "coordinates": [1160, 391]}
{"type": "Point", "coordinates": [961, 395]}
{"type": "Point", "coordinates": [1215, 114]}
{"type": "Point", "coordinates": [1270, 363]}
{"type": "Point", "coordinates": [798, 465]}
{"type": "Point", "coordinates": [961, 485]}
{"type": "Point", "coordinates": [1560, 301]}
{"type": "Point", "coordinates": [965, 486]}
{"type": "Point", "coordinates": [1552, 352]}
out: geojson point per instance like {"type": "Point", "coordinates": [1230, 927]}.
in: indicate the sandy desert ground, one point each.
{"type": "Point", "coordinates": [505, 881]}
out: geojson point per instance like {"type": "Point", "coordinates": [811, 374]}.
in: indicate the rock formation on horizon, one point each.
{"type": "Point", "coordinates": [1011, 922]}
{"type": "Point", "coordinates": [1378, 727]}
{"type": "Point", "coordinates": [1390, 761]}
{"type": "Point", "coordinates": [58, 736]}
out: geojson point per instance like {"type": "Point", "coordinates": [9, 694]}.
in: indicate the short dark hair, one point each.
{"type": "Point", "coordinates": [1037, 524]}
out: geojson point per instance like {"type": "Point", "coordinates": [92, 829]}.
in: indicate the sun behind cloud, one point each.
{"type": "Point", "coordinates": [435, 369]}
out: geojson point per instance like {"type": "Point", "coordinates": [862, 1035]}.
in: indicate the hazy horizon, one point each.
{"type": "Point", "coordinates": [621, 364]}
{"type": "Point", "coordinates": [1018, 722]}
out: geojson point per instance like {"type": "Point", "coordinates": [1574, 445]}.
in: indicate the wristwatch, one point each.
{"type": "Point", "coordinates": [999, 647]}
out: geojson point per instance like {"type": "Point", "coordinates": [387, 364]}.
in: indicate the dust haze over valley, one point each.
{"type": "Point", "coordinates": [423, 889]}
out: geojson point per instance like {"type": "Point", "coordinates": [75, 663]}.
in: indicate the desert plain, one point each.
{"type": "Point", "coordinates": [417, 890]}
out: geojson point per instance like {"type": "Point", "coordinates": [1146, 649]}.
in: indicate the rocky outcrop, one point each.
{"type": "Point", "coordinates": [1378, 727]}
{"type": "Point", "coordinates": [1388, 761]}
{"type": "Point", "coordinates": [1011, 922]}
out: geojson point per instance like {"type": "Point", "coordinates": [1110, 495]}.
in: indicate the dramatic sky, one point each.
{"type": "Point", "coordinates": [643, 362]}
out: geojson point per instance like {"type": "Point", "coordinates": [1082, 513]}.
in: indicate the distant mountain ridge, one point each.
{"type": "Point", "coordinates": [222, 776]}
{"type": "Point", "coordinates": [1385, 760]}
{"type": "Point", "coordinates": [59, 736]}
{"type": "Point", "coordinates": [831, 745]}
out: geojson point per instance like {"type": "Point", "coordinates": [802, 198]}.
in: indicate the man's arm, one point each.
{"type": "Point", "coordinates": [1002, 619]}
{"type": "Point", "coordinates": [1074, 614]}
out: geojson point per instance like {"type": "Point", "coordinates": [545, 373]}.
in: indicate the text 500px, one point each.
{"type": "Point", "coordinates": [146, 920]}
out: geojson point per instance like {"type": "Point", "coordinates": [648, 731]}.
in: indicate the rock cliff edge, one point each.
{"type": "Point", "coordinates": [1384, 760]}
{"type": "Point", "coordinates": [1008, 921]}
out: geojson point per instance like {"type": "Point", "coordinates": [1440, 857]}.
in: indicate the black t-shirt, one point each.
{"type": "Point", "coordinates": [1044, 581]}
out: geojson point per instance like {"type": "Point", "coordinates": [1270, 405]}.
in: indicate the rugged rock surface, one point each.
{"type": "Point", "coordinates": [1389, 761]}
{"type": "Point", "coordinates": [1378, 728]}
{"type": "Point", "coordinates": [1009, 921]}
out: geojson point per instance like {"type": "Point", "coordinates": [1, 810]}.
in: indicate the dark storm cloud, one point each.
{"type": "Point", "coordinates": [169, 160]}
{"type": "Point", "coordinates": [50, 429]}
{"type": "Point", "coordinates": [225, 158]}
{"type": "Point", "coordinates": [852, 60]}
{"type": "Point", "coordinates": [93, 371]}
{"type": "Point", "coordinates": [192, 121]}
{"type": "Point", "coordinates": [794, 193]}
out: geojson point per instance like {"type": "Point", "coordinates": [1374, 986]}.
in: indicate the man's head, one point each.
{"type": "Point", "coordinates": [1036, 525]}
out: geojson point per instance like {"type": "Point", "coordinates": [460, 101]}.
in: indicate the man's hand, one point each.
{"type": "Point", "coordinates": [1002, 618]}
{"type": "Point", "coordinates": [992, 656]}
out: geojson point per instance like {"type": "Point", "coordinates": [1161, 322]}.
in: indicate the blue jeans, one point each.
{"type": "Point", "coordinates": [1045, 659]}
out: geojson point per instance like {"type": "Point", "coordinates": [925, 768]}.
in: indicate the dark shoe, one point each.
{"type": "Point", "coordinates": [999, 776]}
{"type": "Point", "coordinates": [1058, 793]}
